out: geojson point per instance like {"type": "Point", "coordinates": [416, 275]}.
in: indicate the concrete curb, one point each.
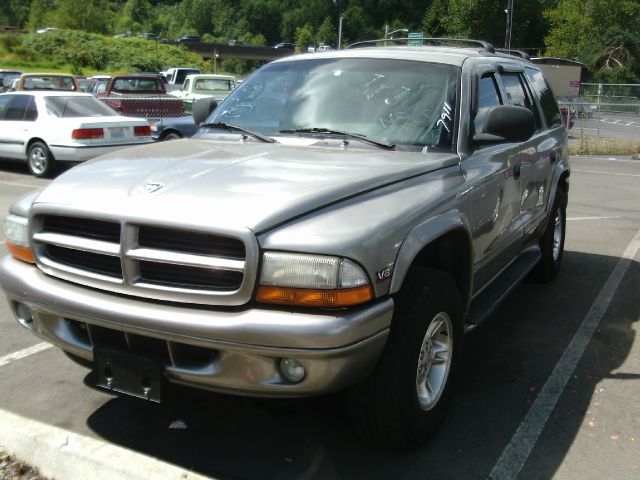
{"type": "Point", "coordinates": [66, 455]}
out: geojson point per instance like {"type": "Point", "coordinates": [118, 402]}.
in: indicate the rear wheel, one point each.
{"type": "Point", "coordinates": [39, 159]}
{"type": "Point", "coordinates": [552, 240]}
{"type": "Point", "coordinates": [171, 136]}
{"type": "Point", "coordinates": [405, 398]}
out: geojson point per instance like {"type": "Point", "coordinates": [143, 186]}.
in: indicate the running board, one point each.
{"type": "Point", "coordinates": [489, 299]}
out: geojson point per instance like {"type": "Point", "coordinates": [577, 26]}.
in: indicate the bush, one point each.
{"type": "Point", "coordinates": [86, 51]}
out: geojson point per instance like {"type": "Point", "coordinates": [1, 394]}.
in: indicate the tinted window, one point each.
{"type": "Point", "coordinates": [31, 111]}
{"type": "Point", "coordinates": [488, 97]}
{"type": "Point", "coordinates": [4, 103]}
{"type": "Point", "coordinates": [68, 107]}
{"type": "Point", "coordinates": [17, 107]}
{"type": "Point", "coordinates": [545, 96]}
{"type": "Point", "coordinates": [182, 74]}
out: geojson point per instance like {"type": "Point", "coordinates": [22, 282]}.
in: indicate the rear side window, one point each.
{"type": "Point", "coordinates": [519, 95]}
{"type": "Point", "coordinates": [545, 96]}
{"type": "Point", "coordinates": [17, 107]}
{"type": "Point", "coordinates": [4, 103]}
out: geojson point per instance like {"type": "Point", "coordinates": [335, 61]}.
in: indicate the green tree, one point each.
{"type": "Point", "coordinates": [434, 21]}
{"type": "Point", "coordinates": [39, 14]}
{"type": "Point", "coordinates": [304, 37]}
{"type": "Point", "coordinates": [326, 33]}
{"type": "Point", "coordinates": [86, 15]}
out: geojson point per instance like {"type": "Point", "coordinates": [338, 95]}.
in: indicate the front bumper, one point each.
{"type": "Point", "coordinates": [228, 350]}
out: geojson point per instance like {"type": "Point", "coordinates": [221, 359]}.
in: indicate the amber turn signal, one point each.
{"type": "Point", "coordinates": [21, 253]}
{"type": "Point", "coordinates": [304, 297]}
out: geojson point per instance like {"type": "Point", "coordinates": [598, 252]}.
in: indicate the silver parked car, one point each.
{"type": "Point", "coordinates": [338, 222]}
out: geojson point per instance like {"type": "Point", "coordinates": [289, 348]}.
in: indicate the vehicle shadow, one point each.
{"type": "Point", "coordinates": [506, 362]}
{"type": "Point", "coordinates": [20, 167]}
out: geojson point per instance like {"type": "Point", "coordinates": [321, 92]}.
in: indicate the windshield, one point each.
{"type": "Point", "coordinates": [395, 101]}
{"type": "Point", "coordinates": [70, 107]}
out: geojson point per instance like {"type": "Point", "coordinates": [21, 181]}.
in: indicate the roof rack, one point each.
{"type": "Point", "coordinates": [515, 53]}
{"type": "Point", "coordinates": [448, 42]}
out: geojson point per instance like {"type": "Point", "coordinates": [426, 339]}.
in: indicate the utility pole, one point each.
{"type": "Point", "coordinates": [337, 3]}
{"type": "Point", "coordinates": [507, 36]}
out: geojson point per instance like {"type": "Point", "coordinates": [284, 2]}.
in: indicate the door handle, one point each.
{"type": "Point", "coordinates": [516, 171]}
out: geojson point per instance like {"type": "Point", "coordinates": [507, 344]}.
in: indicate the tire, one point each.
{"type": "Point", "coordinates": [552, 240]}
{"type": "Point", "coordinates": [171, 136]}
{"type": "Point", "coordinates": [40, 160]}
{"type": "Point", "coordinates": [394, 406]}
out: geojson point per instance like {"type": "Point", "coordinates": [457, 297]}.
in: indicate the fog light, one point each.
{"type": "Point", "coordinates": [292, 370]}
{"type": "Point", "coordinates": [24, 315]}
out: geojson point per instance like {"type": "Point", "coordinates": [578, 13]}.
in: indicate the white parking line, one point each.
{"type": "Point", "coordinates": [19, 184]}
{"type": "Point", "coordinates": [608, 173]}
{"type": "Point", "coordinates": [591, 218]}
{"type": "Point", "coordinates": [524, 439]}
{"type": "Point", "coordinates": [12, 357]}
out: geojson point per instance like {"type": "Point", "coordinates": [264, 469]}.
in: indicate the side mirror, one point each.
{"type": "Point", "coordinates": [506, 123]}
{"type": "Point", "coordinates": [202, 109]}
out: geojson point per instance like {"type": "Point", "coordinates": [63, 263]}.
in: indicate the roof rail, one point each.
{"type": "Point", "coordinates": [448, 42]}
{"type": "Point", "coordinates": [515, 53]}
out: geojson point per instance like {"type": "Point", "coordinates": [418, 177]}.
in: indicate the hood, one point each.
{"type": "Point", "coordinates": [228, 184]}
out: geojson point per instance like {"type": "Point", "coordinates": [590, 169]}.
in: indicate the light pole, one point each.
{"type": "Point", "coordinates": [387, 33]}
{"type": "Point", "coordinates": [215, 61]}
{"type": "Point", "coordinates": [340, 18]}
{"type": "Point", "coordinates": [507, 36]}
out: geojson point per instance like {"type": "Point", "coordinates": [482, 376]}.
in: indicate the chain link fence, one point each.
{"type": "Point", "coordinates": [605, 118]}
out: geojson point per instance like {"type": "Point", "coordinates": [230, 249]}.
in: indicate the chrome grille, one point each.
{"type": "Point", "coordinates": [151, 261]}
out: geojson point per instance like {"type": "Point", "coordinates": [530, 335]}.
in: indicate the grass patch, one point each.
{"type": "Point", "coordinates": [587, 145]}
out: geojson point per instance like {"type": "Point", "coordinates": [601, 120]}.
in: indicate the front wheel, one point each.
{"type": "Point", "coordinates": [40, 160]}
{"type": "Point", "coordinates": [405, 398]}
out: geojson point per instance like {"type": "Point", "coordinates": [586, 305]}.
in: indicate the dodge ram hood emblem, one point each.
{"type": "Point", "coordinates": [152, 187]}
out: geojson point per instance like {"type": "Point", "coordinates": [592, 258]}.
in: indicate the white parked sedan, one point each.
{"type": "Point", "coordinates": [42, 127]}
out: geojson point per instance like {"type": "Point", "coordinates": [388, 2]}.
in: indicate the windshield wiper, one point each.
{"type": "Point", "coordinates": [227, 126]}
{"type": "Point", "coordinates": [364, 138]}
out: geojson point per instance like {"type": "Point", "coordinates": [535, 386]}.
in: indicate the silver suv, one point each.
{"type": "Point", "coordinates": [339, 221]}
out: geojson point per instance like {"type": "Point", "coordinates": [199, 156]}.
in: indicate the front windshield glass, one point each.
{"type": "Point", "coordinates": [395, 101]}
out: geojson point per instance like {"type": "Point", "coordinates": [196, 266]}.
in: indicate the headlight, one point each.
{"type": "Point", "coordinates": [16, 233]}
{"type": "Point", "coordinates": [312, 281]}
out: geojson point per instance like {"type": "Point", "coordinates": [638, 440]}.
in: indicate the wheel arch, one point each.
{"type": "Point", "coordinates": [442, 243]}
{"type": "Point", "coordinates": [32, 141]}
{"type": "Point", "coordinates": [168, 131]}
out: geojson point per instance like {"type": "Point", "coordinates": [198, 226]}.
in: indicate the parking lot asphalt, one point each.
{"type": "Point", "coordinates": [550, 389]}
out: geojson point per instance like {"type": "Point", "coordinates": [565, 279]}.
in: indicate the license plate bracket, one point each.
{"type": "Point", "coordinates": [128, 373]}
{"type": "Point", "coordinates": [117, 132]}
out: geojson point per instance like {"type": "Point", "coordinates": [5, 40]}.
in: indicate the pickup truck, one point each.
{"type": "Point", "coordinates": [140, 95]}
{"type": "Point", "coordinates": [204, 85]}
{"type": "Point", "coordinates": [338, 222]}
